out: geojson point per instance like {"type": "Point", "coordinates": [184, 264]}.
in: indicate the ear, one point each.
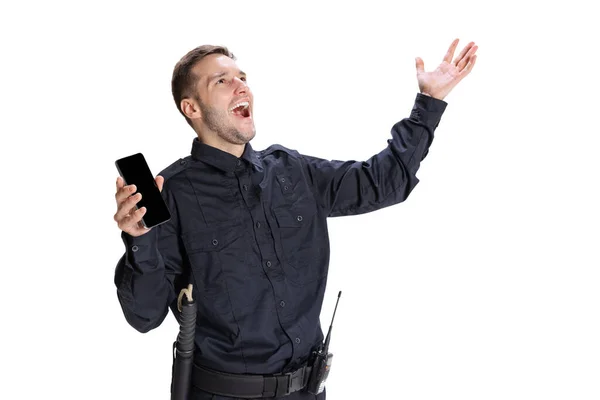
{"type": "Point", "coordinates": [191, 109]}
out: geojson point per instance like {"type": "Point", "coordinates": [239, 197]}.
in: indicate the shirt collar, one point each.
{"type": "Point", "coordinates": [222, 160]}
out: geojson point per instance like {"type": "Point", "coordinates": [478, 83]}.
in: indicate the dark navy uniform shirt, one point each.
{"type": "Point", "coordinates": [250, 234]}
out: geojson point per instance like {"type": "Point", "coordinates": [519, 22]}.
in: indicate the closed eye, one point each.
{"type": "Point", "coordinates": [223, 80]}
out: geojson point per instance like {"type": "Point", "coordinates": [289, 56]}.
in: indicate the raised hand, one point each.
{"type": "Point", "coordinates": [127, 217]}
{"type": "Point", "coordinates": [448, 74]}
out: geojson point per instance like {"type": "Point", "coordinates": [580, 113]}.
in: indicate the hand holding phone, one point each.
{"type": "Point", "coordinates": [140, 205]}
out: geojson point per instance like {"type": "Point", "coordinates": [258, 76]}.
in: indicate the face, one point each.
{"type": "Point", "coordinates": [224, 107]}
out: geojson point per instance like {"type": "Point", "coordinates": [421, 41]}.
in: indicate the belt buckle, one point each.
{"type": "Point", "coordinates": [296, 380]}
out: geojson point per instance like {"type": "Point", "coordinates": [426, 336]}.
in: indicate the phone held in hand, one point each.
{"type": "Point", "coordinates": [135, 171]}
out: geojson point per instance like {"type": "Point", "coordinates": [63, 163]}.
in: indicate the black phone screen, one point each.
{"type": "Point", "coordinates": [135, 171]}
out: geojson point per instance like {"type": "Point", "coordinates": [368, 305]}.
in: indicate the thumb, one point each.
{"type": "Point", "coordinates": [420, 65]}
{"type": "Point", "coordinates": [159, 182]}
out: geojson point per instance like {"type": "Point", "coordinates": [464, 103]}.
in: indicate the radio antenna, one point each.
{"type": "Point", "coordinates": [326, 346]}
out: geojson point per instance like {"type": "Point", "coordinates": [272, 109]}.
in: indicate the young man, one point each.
{"type": "Point", "coordinates": [249, 228]}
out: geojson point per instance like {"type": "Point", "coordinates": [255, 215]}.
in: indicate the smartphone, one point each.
{"type": "Point", "coordinates": [135, 171]}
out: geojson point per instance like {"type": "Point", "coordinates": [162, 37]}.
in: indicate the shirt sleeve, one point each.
{"type": "Point", "coordinates": [146, 274]}
{"type": "Point", "coordinates": [387, 178]}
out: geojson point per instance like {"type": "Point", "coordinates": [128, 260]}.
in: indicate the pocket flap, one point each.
{"type": "Point", "coordinates": [211, 239]}
{"type": "Point", "coordinates": [285, 183]}
{"type": "Point", "coordinates": [294, 216]}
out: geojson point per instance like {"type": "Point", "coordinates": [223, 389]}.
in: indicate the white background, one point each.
{"type": "Point", "coordinates": [484, 284]}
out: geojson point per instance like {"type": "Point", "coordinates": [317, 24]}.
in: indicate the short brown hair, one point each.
{"type": "Point", "coordinates": [184, 80]}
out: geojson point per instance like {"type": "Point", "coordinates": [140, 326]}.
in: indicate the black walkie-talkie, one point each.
{"type": "Point", "coordinates": [322, 362]}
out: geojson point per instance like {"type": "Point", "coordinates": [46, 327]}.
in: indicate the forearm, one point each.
{"type": "Point", "coordinates": [143, 287]}
{"type": "Point", "coordinates": [412, 137]}
{"type": "Point", "coordinates": [387, 178]}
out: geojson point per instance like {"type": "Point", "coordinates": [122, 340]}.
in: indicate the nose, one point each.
{"type": "Point", "coordinates": [240, 86]}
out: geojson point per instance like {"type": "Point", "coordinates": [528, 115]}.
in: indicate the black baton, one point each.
{"type": "Point", "coordinates": [183, 348]}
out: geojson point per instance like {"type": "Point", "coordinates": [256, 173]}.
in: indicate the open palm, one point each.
{"type": "Point", "coordinates": [448, 74]}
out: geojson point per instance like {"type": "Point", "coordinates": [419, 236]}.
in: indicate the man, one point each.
{"type": "Point", "coordinates": [249, 228]}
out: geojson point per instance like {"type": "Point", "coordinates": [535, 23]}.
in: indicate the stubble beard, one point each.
{"type": "Point", "coordinates": [220, 123]}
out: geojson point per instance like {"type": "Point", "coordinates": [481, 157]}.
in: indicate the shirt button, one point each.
{"type": "Point", "coordinates": [298, 340]}
{"type": "Point", "coordinates": [282, 304]}
{"type": "Point", "coordinates": [215, 242]}
{"type": "Point", "coordinates": [258, 224]}
{"type": "Point", "coordinates": [245, 187]}
{"type": "Point", "coordinates": [134, 248]}
{"type": "Point", "coordinates": [285, 188]}
{"type": "Point", "coordinates": [182, 162]}
{"type": "Point", "coordinates": [269, 264]}
{"type": "Point", "coordinates": [239, 162]}
{"type": "Point", "coordinates": [299, 217]}
{"type": "Point", "coordinates": [282, 179]}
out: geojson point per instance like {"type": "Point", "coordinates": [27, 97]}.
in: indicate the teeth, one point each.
{"type": "Point", "coordinates": [245, 104]}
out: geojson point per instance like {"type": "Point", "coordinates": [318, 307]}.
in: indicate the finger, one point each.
{"type": "Point", "coordinates": [131, 211]}
{"type": "Point", "coordinates": [125, 207]}
{"type": "Point", "coordinates": [462, 54]}
{"type": "Point", "coordinates": [420, 65]}
{"type": "Point", "coordinates": [124, 192]}
{"type": "Point", "coordinates": [159, 182]}
{"type": "Point", "coordinates": [463, 62]}
{"type": "Point", "coordinates": [469, 67]}
{"type": "Point", "coordinates": [451, 49]}
{"type": "Point", "coordinates": [120, 183]}
{"type": "Point", "coordinates": [142, 228]}
{"type": "Point", "coordinates": [131, 223]}
{"type": "Point", "coordinates": [132, 218]}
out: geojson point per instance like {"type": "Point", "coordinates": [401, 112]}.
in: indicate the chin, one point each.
{"type": "Point", "coordinates": [240, 136]}
{"type": "Point", "coordinates": [247, 132]}
{"type": "Point", "coordinates": [249, 135]}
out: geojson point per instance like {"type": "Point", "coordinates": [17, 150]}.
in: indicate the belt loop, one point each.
{"type": "Point", "coordinates": [269, 386]}
{"type": "Point", "coordinates": [282, 385]}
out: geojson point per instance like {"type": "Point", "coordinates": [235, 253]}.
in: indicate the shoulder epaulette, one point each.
{"type": "Point", "coordinates": [277, 147]}
{"type": "Point", "coordinates": [175, 167]}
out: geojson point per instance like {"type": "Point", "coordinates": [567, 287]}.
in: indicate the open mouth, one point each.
{"type": "Point", "coordinates": [241, 109]}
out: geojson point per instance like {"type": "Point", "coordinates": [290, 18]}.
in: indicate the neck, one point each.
{"type": "Point", "coordinates": [216, 142]}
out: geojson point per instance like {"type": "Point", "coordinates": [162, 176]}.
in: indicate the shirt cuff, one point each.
{"type": "Point", "coordinates": [428, 110]}
{"type": "Point", "coordinates": [140, 248]}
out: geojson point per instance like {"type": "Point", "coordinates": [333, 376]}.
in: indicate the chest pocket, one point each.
{"type": "Point", "coordinates": [217, 259]}
{"type": "Point", "coordinates": [302, 242]}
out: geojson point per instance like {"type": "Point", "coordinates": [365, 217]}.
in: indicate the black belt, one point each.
{"type": "Point", "coordinates": [249, 386]}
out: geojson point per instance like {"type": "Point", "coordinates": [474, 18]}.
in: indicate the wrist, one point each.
{"type": "Point", "coordinates": [437, 97]}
